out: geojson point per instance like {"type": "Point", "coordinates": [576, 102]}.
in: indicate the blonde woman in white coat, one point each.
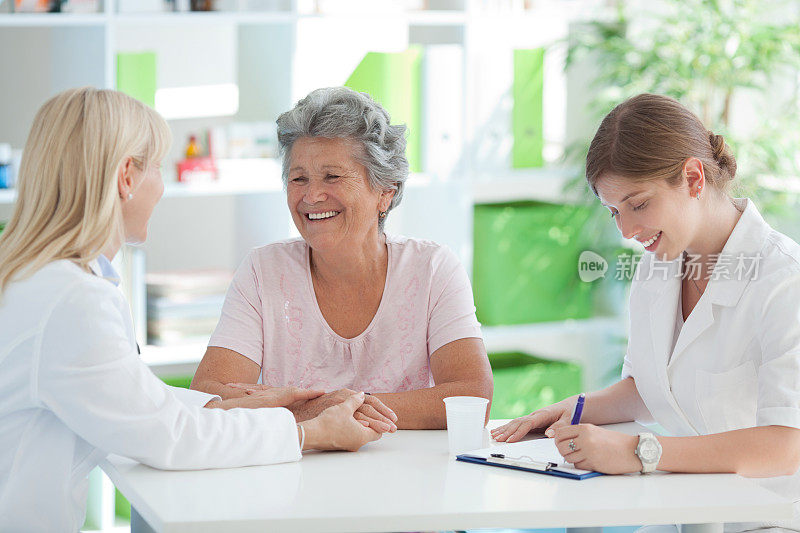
{"type": "Point", "coordinates": [72, 387]}
{"type": "Point", "coordinates": [714, 348]}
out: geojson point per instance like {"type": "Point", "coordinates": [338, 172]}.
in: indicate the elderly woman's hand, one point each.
{"type": "Point", "coordinates": [373, 412]}
{"type": "Point", "coordinates": [337, 429]}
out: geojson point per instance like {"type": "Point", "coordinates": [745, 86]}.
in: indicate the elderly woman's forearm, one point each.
{"type": "Point", "coordinates": [221, 366]}
{"type": "Point", "coordinates": [424, 408]}
{"type": "Point", "coordinates": [215, 387]}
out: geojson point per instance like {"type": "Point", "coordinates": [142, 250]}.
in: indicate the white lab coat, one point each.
{"type": "Point", "coordinates": [73, 389]}
{"type": "Point", "coordinates": [736, 362]}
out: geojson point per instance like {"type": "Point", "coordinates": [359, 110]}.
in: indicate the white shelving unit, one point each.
{"type": "Point", "coordinates": [275, 58]}
{"type": "Point", "coordinates": [51, 20]}
{"type": "Point", "coordinates": [594, 343]}
{"type": "Point", "coordinates": [543, 184]}
{"type": "Point", "coordinates": [278, 58]}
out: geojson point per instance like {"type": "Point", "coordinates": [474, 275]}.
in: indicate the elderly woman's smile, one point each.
{"type": "Point", "coordinates": [329, 193]}
{"type": "Point", "coordinates": [327, 215]}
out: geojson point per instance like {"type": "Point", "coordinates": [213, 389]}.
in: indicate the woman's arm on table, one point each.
{"type": "Point", "coordinates": [459, 368]}
{"type": "Point", "coordinates": [92, 379]}
{"type": "Point", "coordinates": [762, 451]}
{"type": "Point", "coordinates": [617, 403]}
{"type": "Point", "coordinates": [233, 377]}
{"type": "Point", "coordinates": [221, 366]}
{"type": "Point", "coordinates": [753, 452]}
{"type": "Point", "coordinates": [457, 356]}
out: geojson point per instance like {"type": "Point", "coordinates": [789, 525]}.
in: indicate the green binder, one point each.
{"type": "Point", "coordinates": [394, 80]}
{"type": "Point", "coordinates": [527, 122]}
{"type": "Point", "coordinates": [136, 76]}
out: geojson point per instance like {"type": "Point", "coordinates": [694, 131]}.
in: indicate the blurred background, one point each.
{"type": "Point", "coordinates": [501, 98]}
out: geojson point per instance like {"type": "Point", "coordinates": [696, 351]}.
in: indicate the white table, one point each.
{"type": "Point", "coordinates": [407, 482]}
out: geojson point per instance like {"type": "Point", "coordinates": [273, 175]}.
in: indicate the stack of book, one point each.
{"type": "Point", "coordinates": [184, 307]}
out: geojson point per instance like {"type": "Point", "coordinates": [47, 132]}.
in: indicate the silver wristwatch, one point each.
{"type": "Point", "coordinates": [648, 451]}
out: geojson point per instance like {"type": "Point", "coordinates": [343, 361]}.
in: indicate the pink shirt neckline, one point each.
{"type": "Point", "coordinates": [269, 318]}
{"type": "Point", "coordinates": [318, 311]}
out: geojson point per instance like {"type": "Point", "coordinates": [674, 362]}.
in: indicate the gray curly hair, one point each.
{"type": "Point", "coordinates": [340, 112]}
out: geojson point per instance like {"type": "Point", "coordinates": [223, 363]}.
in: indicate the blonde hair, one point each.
{"type": "Point", "coordinates": [650, 137]}
{"type": "Point", "coordinates": [67, 196]}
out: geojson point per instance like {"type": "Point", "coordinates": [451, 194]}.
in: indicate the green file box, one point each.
{"type": "Point", "coordinates": [525, 263]}
{"type": "Point", "coordinates": [394, 80]}
{"type": "Point", "coordinates": [523, 383]}
{"type": "Point", "coordinates": [136, 76]}
{"type": "Point", "coordinates": [527, 120]}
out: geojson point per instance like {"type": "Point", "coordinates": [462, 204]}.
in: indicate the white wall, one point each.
{"type": "Point", "coordinates": [37, 63]}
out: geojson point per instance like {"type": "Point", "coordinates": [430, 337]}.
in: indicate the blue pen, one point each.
{"type": "Point", "coordinates": [576, 414]}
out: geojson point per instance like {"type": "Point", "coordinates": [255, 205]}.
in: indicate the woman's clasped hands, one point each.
{"type": "Point", "coordinates": [308, 404]}
{"type": "Point", "coordinates": [336, 428]}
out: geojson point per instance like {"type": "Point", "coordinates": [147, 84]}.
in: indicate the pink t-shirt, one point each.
{"type": "Point", "coordinates": [271, 316]}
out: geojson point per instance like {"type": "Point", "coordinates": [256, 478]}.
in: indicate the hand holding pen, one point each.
{"type": "Point", "coordinates": [547, 418]}
{"type": "Point", "coordinates": [578, 411]}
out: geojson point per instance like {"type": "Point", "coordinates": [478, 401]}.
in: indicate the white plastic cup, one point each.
{"type": "Point", "coordinates": [466, 418]}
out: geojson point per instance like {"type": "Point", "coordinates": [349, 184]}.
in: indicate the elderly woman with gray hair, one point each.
{"type": "Point", "coordinates": [347, 307]}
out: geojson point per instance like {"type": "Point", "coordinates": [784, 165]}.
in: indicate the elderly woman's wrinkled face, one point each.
{"type": "Point", "coordinates": [329, 195]}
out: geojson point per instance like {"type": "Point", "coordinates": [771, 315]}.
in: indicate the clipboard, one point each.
{"type": "Point", "coordinates": [539, 456]}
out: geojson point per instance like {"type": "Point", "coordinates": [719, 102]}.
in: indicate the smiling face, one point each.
{"type": "Point", "coordinates": [663, 218]}
{"type": "Point", "coordinates": [329, 196]}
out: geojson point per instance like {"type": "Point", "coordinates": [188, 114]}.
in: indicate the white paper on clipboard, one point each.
{"type": "Point", "coordinates": [535, 451]}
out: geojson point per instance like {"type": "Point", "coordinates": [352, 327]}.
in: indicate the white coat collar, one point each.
{"type": "Point", "coordinates": [747, 239]}
{"type": "Point", "coordinates": [103, 268]}
{"type": "Point", "coordinates": [742, 251]}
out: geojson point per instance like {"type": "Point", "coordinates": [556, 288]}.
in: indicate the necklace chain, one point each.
{"type": "Point", "coordinates": [694, 281]}
{"type": "Point", "coordinates": [696, 286]}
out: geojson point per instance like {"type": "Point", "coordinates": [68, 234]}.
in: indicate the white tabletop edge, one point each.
{"type": "Point", "coordinates": [110, 465]}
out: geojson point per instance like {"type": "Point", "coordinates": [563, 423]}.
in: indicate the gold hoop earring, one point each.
{"type": "Point", "coordinates": [382, 215]}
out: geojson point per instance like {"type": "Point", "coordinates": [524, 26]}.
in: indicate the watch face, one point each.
{"type": "Point", "coordinates": [649, 451]}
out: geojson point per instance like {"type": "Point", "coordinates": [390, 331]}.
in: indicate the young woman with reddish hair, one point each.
{"type": "Point", "coordinates": [714, 348]}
